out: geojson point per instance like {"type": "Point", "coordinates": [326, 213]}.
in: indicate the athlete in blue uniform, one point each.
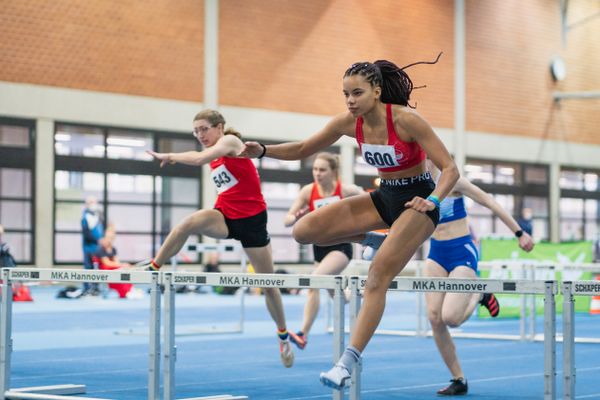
{"type": "Point", "coordinates": [453, 254]}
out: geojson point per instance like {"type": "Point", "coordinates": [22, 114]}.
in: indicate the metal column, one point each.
{"type": "Point", "coordinates": [549, 341]}
{"type": "Point", "coordinates": [154, 343]}
{"type": "Point", "coordinates": [338, 326]}
{"type": "Point", "coordinates": [5, 332]}
{"type": "Point", "coordinates": [170, 350]}
{"type": "Point", "coordinates": [568, 341]}
{"type": "Point", "coordinates": [354, 309]}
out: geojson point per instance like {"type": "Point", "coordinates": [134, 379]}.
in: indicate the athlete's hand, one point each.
{"type": "Point", "coordinates": [251, 150]}
{"type": "Point", "coordinates": [420, 204]}
{"type": "Point", "coordinates": [301, 213]}
{"type": "Point", "coordinates": [164, 158]}
{"type": "Point", "coordinates": [526, 242]}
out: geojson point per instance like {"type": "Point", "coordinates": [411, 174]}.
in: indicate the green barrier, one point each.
{"type": "Point", "coordinates": [507, 250]}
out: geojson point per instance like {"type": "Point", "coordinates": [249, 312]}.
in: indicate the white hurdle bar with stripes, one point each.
{"type": "Point", "coordinates": [67, 275]}
{"type": "Point", "coordinates": [287, 281]}
{"type": "Point", "coordinates": [568, 290]}
{"type": "Point", "coordinates": [547, 288]}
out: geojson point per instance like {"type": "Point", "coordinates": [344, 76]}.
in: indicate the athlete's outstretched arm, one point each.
{"type": "Point", "coordinates": [228, 145]}
{"type": "Point", "coordinates": [339, 126]}
{"type": "Point", "coordinates": [349, 190]}
{"type": "Point", "coordinates": [472, 191]}
{"type": "Point", "coordinates": [300, 206]}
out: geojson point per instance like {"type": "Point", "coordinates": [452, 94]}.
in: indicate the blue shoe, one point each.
{"type": "Point", "coordinates": [336, 378]}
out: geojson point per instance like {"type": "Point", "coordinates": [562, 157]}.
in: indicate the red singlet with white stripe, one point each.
{"type": "Point", "coordinates": [316, 200]}
{"type": "Point", "coordinates": [238, 186]}
{"type": "Point", "coordinates": [396, 155]}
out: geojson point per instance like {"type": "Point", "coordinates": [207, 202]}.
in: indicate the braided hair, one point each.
{"type": "Point", "coordinates": [396, 85]}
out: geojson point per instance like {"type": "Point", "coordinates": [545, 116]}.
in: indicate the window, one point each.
{"type": "Point", "coordinates": [17, 166]}
{"type": "Point", "coordinates": [579, 204]}
{"type": "Point", "coordinates": [141, 200]}
{"type": "Point", "coordinates": [515, 186]}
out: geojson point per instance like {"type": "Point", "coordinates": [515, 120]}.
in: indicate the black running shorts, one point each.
{"type": "Point", "coordinates": [320, 252]}
{"type": "Point", "coordinates": [250, 231]}
{"type": "Point", "coordinates": [392, 194]}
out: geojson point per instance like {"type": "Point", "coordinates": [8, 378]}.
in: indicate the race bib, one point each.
{"type": "Point", "coordinates": [324, 201]}
{"type": "Point", "coordinates": [380, 155]}
{"type": "Point", "coordinates": [223, 179]}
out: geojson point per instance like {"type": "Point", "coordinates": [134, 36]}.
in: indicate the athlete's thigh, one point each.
{"type": "Point", "coordinates": [434, 300]}
{"type": "Point", "coordinates": [405, 236]}
{"type": "Point", "coordinates": [261, 258]}
{"type": "Point", "coordinates": [332, 264]}
{"type": "Point", "coordinates": [456, 302]}
{"type": "Point", "coordinates": [210, 223]}
{"type": "Point", "coordinates": [348, 217]}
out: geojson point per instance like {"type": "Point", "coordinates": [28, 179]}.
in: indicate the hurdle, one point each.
{"type": "Point", "coordinates": [506, 270]}
{"type": "Point", "coordinates": [221, 248]}
{"type": "Point", "coordinates": [335, 283]}
{"type": "Point", "coordinates": [547, 288]}
{"type": "Point", "coordinates": [65, 275]}
{"type": "Point", "coordinates": [212, 329]}
{"type": "Point", "coordinates": [568, 290]}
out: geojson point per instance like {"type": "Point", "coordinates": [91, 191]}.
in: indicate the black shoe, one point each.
{"type": "Point", "coordinates": [490, 302]}
{"type": "Point", "coordinates": [457, 387]}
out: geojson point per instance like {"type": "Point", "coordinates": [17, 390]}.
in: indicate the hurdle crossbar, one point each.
{"type": "Point", "coordinates": [548, 289]}
{"type": "Point", "coordinates": [66, 275]}
{"type": "Point", "coordinates": [287, 281]}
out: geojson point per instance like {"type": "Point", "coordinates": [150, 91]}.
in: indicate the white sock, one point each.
{"type": "Point", "coordinates": [349, 358]}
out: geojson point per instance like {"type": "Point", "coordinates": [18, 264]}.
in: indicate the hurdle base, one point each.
{"type": "Point", "coordinates": [209, 330]}
{"type": "Point", "coordinates": [53, 392]}
{"type": "Point", "coordinates": [218, 397]}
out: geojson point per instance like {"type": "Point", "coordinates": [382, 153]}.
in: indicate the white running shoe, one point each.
{"type": "Point", "coordinates": [336, 377]}
{"type": "Point", "coordinates": [286, 353]}
{"type": "Point", "coordinates": [368, 253]}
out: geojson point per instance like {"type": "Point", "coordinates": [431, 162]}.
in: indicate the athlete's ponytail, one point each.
{"type": "Point", "coordinates": [396, 85]}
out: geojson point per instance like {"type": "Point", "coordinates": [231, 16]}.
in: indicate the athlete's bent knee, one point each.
{"type": "Point", "coordinates": [435, 319]}
{"type": "Point", "coordinates": [375, 284]}
{"type": "Point", "coordinates": [452, 321]}
{"type": "Point", "coordinates": [302, 233]}
{"type": "Point", "coordinates": [185, 227]}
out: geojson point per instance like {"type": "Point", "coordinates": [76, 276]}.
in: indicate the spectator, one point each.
{"type": "Point", "coordinates": [92, 229]}
{"type": "Point", "coordinates": [525, 220]}
{"type": "Point", "coordinates": [6, 259]}
{"type": "Point", "coordinates": [212, 262]}
{"type": "Point", "coordinates": [107, 259]}
{"type": "Point", "coordinates": [20, 291]}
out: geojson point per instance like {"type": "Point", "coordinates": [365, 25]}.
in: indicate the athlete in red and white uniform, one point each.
{"type": "Point", "coordinates": [392, 137]}
{"type": "Point", "coordinates": [329, 260]}
{"type": "Point", "coordinates": [239, 212]}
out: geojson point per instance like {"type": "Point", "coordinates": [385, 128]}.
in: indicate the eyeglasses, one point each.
{"type": "Point", "coordinates": [201, 130]}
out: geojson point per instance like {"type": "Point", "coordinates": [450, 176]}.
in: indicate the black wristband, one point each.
{"type": "Point", "coordinates": [264, 151]}
{"type": "Point", "coordinates": [519, 233]}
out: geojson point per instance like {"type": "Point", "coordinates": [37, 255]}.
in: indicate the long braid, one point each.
{"type": "Point", "coordinates": [396, 85]}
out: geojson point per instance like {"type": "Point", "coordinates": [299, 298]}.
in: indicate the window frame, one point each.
{"type": "Point", "coordinates": [22, 158]}
{"type": "Point", "coordinates": [105, 165]}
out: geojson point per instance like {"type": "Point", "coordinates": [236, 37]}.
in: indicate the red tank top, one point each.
{"type": "Point", "coordinates": [238, 185]}
{"type": "Point", "coordinates": [396, 155]}
{"type": "Point", "coordinates": [316, 200]}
